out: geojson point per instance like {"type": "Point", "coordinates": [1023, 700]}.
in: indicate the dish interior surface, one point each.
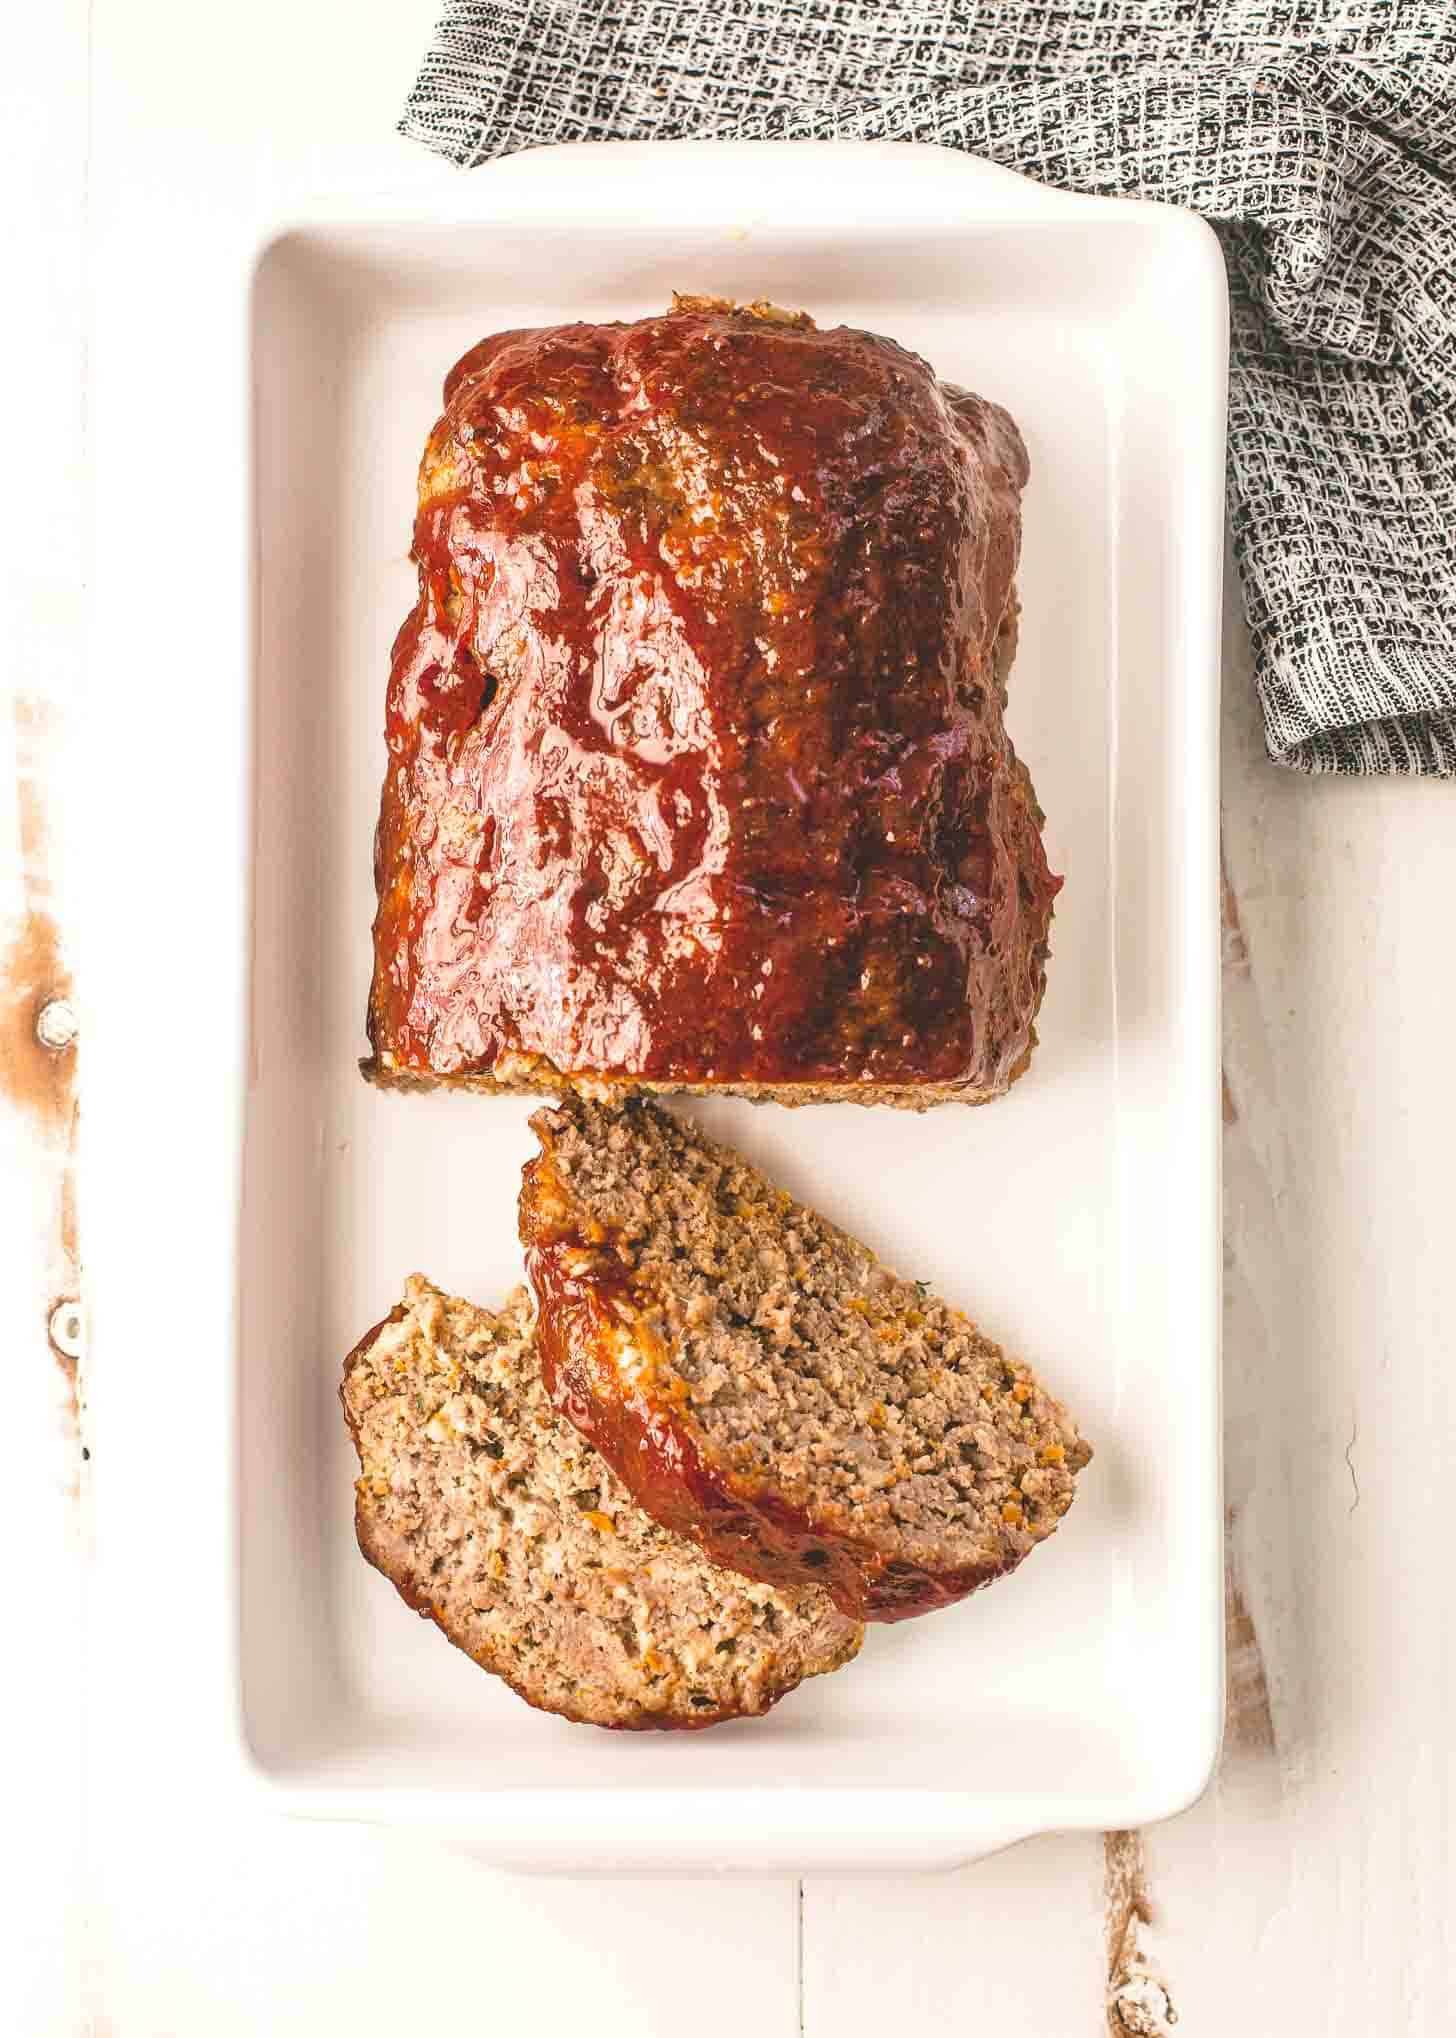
{"type": "Point", "coordinates": [1074, 1220]}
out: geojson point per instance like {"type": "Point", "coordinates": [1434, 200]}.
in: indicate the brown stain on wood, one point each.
{"type": "Point", "coordinates": [1248, 1714]}
{"type": "Point", "coordinates": [1138, 2004]}
{"type": "Point", "coordinates": [1230, 1108]}
{"type": "Point", "coordinates": [1235, 946]}
{"type": "Point", "coordinates": [37, 1080]}
{"type": "Point", "coordinates": [70, 1236]}
{"type": "Point", "coordinates": [1249, 1718]}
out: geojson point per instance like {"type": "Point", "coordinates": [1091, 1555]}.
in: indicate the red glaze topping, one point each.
{"type": "Point", "coordinates": [696, 762]}
{"type": "Point", "coordinates": [587, 1299]}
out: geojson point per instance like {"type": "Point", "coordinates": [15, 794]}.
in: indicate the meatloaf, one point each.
{"type": "Point", "coordinates": [763, 1384]}
{"type": "Point", "coordinates": [497, 1521]}
{"type": "Point", "coordinates": [697, 775]}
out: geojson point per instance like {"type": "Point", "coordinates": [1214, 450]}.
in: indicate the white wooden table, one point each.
{"type": "Point", "coordinates": [1310, 1892]}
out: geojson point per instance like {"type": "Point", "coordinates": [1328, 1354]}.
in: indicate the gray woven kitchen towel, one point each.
{"type": "Point", "coordinates": [1320, 138]}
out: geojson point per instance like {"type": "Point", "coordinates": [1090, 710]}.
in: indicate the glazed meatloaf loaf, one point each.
{"type": "Point", "coordinates": [697, 776]}
{"type": "Point", "coordinates": [763, 1384]}
{"type": "Point", "coordinates": [496, 1520]}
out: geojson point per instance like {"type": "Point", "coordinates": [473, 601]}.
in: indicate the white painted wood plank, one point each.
{"type": "Point", "coordinates": [236, 1929]}
{"type": "Point", "coordinates": [1013, 1944]}
{"type": "Point", "coordinates": [42, 621]}
{"type": "Point", "coordinates": [1314, 1889]}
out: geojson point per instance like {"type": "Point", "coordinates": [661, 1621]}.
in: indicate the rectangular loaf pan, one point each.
{"type": "Point", "coordinates": [1078, 1220]}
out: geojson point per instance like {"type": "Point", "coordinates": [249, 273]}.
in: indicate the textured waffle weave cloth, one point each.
{"type": "Point", "coordinates": [1319, 139]}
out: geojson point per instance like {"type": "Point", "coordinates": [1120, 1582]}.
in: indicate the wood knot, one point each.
{"type": "Point", "coordinates": [1141, 2008]}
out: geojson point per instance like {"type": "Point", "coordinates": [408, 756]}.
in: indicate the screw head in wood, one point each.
{"type": "Point", "coordinates": [68, 1328]}
{"type": "Point", "coordinates": [56, 1024]}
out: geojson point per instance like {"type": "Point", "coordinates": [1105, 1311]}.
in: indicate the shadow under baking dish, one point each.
{"type": "Point", "coordinates": [1074, 1220]}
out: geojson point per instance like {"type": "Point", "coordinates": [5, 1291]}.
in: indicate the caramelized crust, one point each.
{"type": "Point", "coordinates": [697, 773]}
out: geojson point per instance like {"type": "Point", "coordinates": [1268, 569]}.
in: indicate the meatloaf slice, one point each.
{"type": "Point", "coordinates": [494, 1519]}
{"type": "Point", "coordinates": [763, 1384]}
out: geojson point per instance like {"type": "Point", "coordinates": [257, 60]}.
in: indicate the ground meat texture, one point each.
{"type": "Point", "coordinates": [496, 1520]}
{"type": "Point", "coordinates": [763, 1384]}
{"type": "Point", "coordinates": [698, 776]}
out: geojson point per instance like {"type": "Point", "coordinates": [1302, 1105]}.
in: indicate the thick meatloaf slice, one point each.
{"type": "Point", "coordinates": [494, 1519]}
{"type": "Point", "coordinates": [763, 1384]}
{"type": "Point", "coordinates": [698, 776]}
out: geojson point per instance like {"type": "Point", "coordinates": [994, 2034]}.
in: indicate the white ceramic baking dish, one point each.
{"type": "Point", "coordinates": [1078, 1219]}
